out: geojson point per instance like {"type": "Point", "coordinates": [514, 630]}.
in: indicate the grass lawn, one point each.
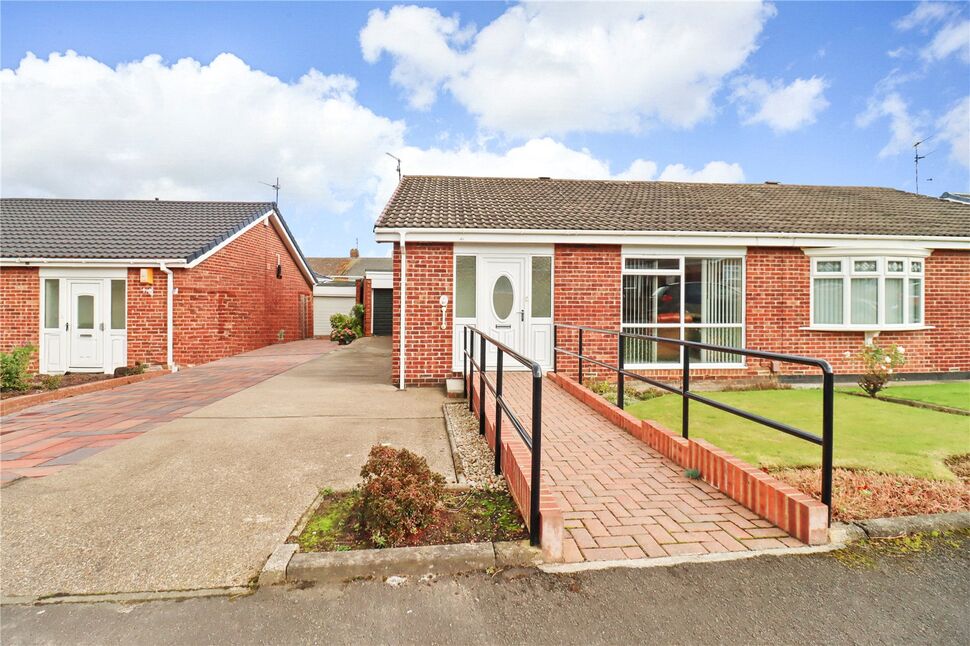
{"type": "Point", "coordinates": [869, 434]}
{"type": "Point", "coordinates": [954, 395]}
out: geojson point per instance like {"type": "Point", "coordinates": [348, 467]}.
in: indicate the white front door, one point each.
{"type": "Point", "coordinates": [503, 304]}
{"type": "Point", "coordinates": [86, 324]}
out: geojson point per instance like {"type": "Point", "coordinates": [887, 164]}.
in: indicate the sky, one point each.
{"type": "Point", "coordinates": [207, 100]}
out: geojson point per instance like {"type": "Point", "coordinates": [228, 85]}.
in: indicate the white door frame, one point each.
{"type": "Point", "coordinates": [536, 333]}
{"type": "Point", "coordinates": [55, 351]}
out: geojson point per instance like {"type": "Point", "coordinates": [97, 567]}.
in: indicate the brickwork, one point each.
{"type": "Point", "coordinates": [365, 296]}
{"type": "Point", "coordinates": [793, 511]}
{"type": "Point", "coordinates": [20, 307]}
{"type": "Point", "coordinates": [430, 274]}
{"type": "Point", "coordinates": [587, 291]}
{"type": "Point", "coordinates": [618, 497]}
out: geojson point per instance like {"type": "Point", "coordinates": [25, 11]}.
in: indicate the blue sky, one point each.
{"type": "Point", "coordinates": [815, 93]}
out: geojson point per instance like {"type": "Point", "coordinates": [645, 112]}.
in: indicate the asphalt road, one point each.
{"type": "Point", "coordinates": [912, 593]}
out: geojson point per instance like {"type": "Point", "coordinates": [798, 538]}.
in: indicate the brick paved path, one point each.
{"type": "Point", "coordinates": [45, 439]}
{"type": "Point", "coordinates": [620, 498]}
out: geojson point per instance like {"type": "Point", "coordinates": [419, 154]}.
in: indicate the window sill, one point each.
{"type": "Point", "coordinates": [866, 328]}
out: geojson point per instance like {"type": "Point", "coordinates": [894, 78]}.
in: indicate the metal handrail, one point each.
{"type": "Point", "coordinates": [828, 387]}
{"type": "Point", "coordinates": [533, 440]}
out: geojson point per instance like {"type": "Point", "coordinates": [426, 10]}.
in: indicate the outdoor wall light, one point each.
{"type": "Point", "coordinates": [443, 301]}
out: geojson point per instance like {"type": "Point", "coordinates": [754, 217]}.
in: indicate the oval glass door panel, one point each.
{"type": "Point", "coordinates": [502, 297]}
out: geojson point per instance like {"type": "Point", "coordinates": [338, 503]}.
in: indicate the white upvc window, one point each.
{"type": "Point", "coordinates": [868, 293]}
{"type": "Point", "coordinates": [685, 297]}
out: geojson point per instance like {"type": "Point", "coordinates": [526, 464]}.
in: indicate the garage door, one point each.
{"type": "Point", "coordinates": [324, 307]}
{"type": "Point", "coordinates": [383, 312]}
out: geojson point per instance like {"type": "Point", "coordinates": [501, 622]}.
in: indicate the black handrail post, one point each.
{"type": "Point", "coordinates": [471, 372]}
{"type": "Point", "coordinates": [464, 362]}
{"type": "Point", "coordinates": [481, 390]}
{"type": "Point", "coordinates": [498, 412]}
{"type": "Point", "coordinates": [555, 346]}
{"type": "Point", "coordinates": [685, 398]}
{"type": "Point", "coordinates": [580, 356]}
{"type": "Point", "coordinates": [619, 374]}
{"type": "Point", "coordinates": [828, 423]}
{"type": "Point", "coordinates": [536, 459]}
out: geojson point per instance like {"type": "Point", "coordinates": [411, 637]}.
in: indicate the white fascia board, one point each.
{"type": "Point", "coordinates": [681, 238]}
{"type": "Point", "coordinates": [90, 262]}
{"type": "Point", "coordinates": [915, 252]}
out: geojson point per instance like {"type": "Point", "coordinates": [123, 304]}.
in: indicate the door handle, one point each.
{"type": "Point", "coordinates": [102, 327]}
{"type": "Point", "coordinates": [67, 326]}
{"type": "Point", "coordinates": [521, 315]}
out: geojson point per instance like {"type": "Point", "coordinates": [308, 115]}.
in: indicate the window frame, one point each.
{"type": "Point", "coordinates": [848, 273]}
{"type": "Point", "coordinates": [682, 325]}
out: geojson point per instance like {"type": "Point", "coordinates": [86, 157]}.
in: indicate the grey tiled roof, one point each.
{"type": "Point", "coordinates": [116, 229]}
{"type": "Point", "coordinates": [597, 205]}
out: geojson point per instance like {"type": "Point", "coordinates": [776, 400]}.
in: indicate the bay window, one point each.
{"type": "Point", "coordinates": [867, 293]}
{"type": "Point", "coordinates": [684, 297]}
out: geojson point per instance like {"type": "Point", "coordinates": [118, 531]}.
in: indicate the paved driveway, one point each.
{"type": "Point", "coordinates": [46, 439]}
{"type": "Point", "coordinates": [201, 501]}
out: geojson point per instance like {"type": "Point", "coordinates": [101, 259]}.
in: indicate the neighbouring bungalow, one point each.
{"type": "Point", "coordinates": [344, 282]}
{"type": "Point", "coordinates": [96, 285]}
{"type": "Point", "coordinates": [811, 270]}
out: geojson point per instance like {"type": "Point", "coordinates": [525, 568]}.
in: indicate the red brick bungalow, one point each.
{"type": "Point", "coordinates": [813, 270]}
{"type": "Point", "coordinates": [99, 284]}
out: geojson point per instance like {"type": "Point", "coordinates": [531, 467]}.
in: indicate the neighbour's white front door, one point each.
{"type": "Point", "coordinates": [86, 325]}
{"type": "Point", "coordinates": [503, 304]}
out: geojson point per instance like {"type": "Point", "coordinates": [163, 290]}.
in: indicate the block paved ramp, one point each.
{"type": "Point", "coordinates": [202, 500]}
{"type": "Point", "coordinates": [620, 498]}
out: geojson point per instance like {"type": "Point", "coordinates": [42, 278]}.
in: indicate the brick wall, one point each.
{"type": "Point", "coordinates": [365, 297]}
{"type": "Point", "coordinates": [586, 290]}
{"type": "Point", "coordinates": [430, 273]}
{"type": "Point", "coordinates": [20, 307]}
{"type": "Point", "coordinates": [778, 301]}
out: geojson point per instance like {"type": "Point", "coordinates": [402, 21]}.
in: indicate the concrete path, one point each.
{"type": "Point", "coordinates": [202, 501]}
{"type": "Point", "coordinates": [45, 439]}
{"type": "Point", "coordinates": [857, 596]}
{"type": "Point", "coordinates": [620, 498]}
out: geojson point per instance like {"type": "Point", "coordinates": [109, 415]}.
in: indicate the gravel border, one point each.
{"type": "Point", "coordinates": [474, 460]}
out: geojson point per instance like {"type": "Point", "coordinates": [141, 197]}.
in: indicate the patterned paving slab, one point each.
{"type": "Point", "coordinates": [620, 498]}
{"type": "Point", "coordinates": [48, 438]}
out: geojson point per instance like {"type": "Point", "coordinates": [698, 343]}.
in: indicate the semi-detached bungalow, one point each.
{"type": "Point", "coordinates": [100, 284]}
{"type": "Point", "coordinates": [813, 270]}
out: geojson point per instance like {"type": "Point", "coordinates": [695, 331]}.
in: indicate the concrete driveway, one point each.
{"type": "Point", "coordinates": [201, 501]}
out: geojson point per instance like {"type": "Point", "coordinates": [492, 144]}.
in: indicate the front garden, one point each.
{"type": "Point", "coordinates": [17, 380]}
{"type": "Point", "coordinates": [890, 459]}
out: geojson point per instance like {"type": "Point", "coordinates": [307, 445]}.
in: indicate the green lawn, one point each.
{"type": "Point", "coordinates": [886, 437]}
{"type": "Point", "coordinates": [954, 395]}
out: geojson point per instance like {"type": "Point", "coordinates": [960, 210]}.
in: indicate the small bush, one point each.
{"type": "Point", "coordinates": [50, 382]}
{"type": "Point", "coordinates": [127, 371]}
{"type": "Point", "coordinates": [357, 319]}
{"type": "Point", "coordinates": [13, 368]}
{"type": "Point", "coordinates": [399, 496]}
{"type": "Point", "coordinates": [878, 366]}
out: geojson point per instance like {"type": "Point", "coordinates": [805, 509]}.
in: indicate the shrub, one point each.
{"type": "Point", "coordinates": [127, 371]}
{"type": "Point", "coordinates": [13, 368]}
{"type": "Point", "coordinates": [631, 393]}
{"type": "Point", "coordinates": [878, 366]}
{"type": "Point", "coordinates": [357, 319]}
{"type": "Point", "coordinates": [399, 496]}
{"type": "Point", "coordinates": [51, 382]}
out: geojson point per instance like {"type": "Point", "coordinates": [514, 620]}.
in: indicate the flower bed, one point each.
{"type": "Point", "coordinates": [469, 516]}
{"type": "Point", "coordinates": [860, 494]}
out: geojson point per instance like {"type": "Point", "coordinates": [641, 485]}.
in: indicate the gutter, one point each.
{"type": "Point", "coordinates": [169, 293]}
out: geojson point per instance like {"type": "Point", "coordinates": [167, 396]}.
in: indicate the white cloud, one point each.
{"type": "Point", "coordinates": [74, 127]}
{"type": "Point", "coordinates": [924, 14]}
{"type": "Point", "coordinates": [560, 67]}
{"type": "Point", "coordinates": [903, 126]}
{"type": "Point", "coordinates": [951, 39]}
{"type": "Point", "coordinates": [954, 128]}
{"type": "Point", "coordinates": [781, 107]}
